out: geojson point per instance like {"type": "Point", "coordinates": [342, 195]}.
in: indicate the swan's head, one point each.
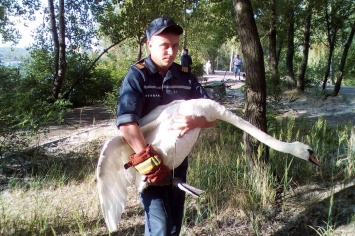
{"type": "Point", "coordinates": [305, 152]}
{"type": "Point", "coordinates": [312, 158]}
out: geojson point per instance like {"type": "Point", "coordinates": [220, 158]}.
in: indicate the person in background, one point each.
{"type": "Point", "coordinates": [185, 59]}
{"type": "Point", "coordinates": [237, 63]}
{"type": "Point", "coordinates": [208, 67]}
{"type": "Point", "coordinates": [153, 81]}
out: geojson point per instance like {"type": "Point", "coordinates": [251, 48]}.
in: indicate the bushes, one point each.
{"type": "Point", "coordinates": [94, 90]}
{"type": "Point", "coordinates": [197, 69]}
{"type": "Point", "coordinates": [24, 111]}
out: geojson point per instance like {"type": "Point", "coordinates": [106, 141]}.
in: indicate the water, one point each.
{"type": "Point", "coordinates": [12, 63]}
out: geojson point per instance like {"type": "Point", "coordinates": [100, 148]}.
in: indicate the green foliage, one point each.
{"type": "Point", "coordinates": [25, 107]}
{"type": "Point", "coordinates": [208, 27]}
{"type": "Point", "coordinates": [93, 91]}
{"type": "Point", "coordinates": [85, 87]}
{"type": "Point", "coordinates": [81, 86]}
{"type": "Point", "coordinates": [10, 9]}
{"type": "Point", "coordinates": [80, 25]}
{"type": "Point", "coordinates": [129, 21]}
{"type": "Point", "coordinates": [197, 69]}
{"type": "Point", "coordinates": [118, 63]}
{"type": "Point", "coordinates": [9, 115]}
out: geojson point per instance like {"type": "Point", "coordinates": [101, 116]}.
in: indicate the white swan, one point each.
{"type": "Point", "coordinates": [113, 179]}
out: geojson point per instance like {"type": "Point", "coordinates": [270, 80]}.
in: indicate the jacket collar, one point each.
{"type": "Point", "coordinates": [149, 64]}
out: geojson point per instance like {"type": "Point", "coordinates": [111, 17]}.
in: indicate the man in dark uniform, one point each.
{"type": "Point", "coordinates": [154, 81]}
{"type": "Point", "coordinates": [185, 59]}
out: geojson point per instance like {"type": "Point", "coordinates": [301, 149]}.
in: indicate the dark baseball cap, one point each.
{"type": "Point", "coordinates": [160, 24]}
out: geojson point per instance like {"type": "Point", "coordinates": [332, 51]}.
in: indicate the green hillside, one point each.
{"type": "Point", "coordinates": [13, 54]}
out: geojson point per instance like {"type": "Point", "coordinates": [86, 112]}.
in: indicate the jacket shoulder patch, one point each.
{"type": "Point", "coordinates": [140, 65]}
{"type": "Point", "coordinates": [185, 69]}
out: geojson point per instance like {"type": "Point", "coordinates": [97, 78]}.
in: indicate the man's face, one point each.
{"type": "Point", "coordinates": [163, 49]}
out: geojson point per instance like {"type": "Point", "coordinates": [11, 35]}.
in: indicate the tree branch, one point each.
{"type": "Point", "coordinates": [81, 79]}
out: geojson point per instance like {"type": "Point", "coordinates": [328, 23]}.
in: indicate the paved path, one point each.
{"type": "Point", "coordinates": [348, 91]}
{"type": "Point", "coordinates": [220, 75]}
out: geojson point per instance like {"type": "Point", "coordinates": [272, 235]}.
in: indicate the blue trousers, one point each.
{"type": "Point", "coordinates": [164, 206]}
{"type": "Point", "coordinates": [237, 69]}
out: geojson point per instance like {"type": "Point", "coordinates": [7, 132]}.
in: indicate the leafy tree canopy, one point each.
{"type": "Point", "coordinates": [9, 9]}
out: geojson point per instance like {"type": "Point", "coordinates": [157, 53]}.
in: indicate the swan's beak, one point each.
{"type": "Point", "coordinates": [313, 159]}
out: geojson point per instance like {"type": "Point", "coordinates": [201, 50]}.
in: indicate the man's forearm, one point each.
{"type": "Point", "coordinates": [133, 136]}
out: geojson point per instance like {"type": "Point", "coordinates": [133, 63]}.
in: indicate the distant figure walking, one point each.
{"type": "Point", "coordinates": [237, 63]}
{"type": "Point", "coordinates": [208, 67]}
{"type": "Point", "coordinates": [186, 60]}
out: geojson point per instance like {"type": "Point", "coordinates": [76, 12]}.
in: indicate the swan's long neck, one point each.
{"type": "Point", "coordinates": [228, 116]}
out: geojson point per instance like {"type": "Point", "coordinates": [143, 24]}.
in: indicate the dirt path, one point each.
{"type": "Point", "coordinates": [334, 109]}
{"type": "Point", "coordinates": [79, 123]}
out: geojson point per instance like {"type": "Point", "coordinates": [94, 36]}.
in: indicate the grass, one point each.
{"type": "Point", "coordinates": [58, 196]}
{"type": "Point", "coordinates": [219, 167]}
{"type": "Point", "coordinates": [55, 193]}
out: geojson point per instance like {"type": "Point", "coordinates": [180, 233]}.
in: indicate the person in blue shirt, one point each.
{"type": "Point", "coordinates": [153, 81]}
{"type": "Point", "coordinates": [237, 63]}
{"type": "Point", "coordinates": [185, 59]}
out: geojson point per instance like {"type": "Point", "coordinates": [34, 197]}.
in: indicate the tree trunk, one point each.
{"type": "Point", "coordinates": [290, 47]}
{"type": "Point", "coordinates": [55, 43]}
{"type": "Point", "coordinates": [231, 60]}
{"type": "Point", "coordinates": [306, 44]}
{"type": "Point", "coordinates": [343, 61]}
{"type": "Point", "coordinates": [81, 79]}
{"type": "Point", "coordinates": [139, 51]}
{"type": "Point", "coordinates": [329, 61]}
{"type": "Point", "coordinates": [213, 61]}
{"type": "Point", "coordinates": [2, 12]}
{"type": "Point", "coordinates": [59, 47]}
{"type": "Point", "coordinates": [255, 95]}
{"type": "Point", "coordinates": [331, 36]}
{"type": "Point", "coordinates": [273, 60]}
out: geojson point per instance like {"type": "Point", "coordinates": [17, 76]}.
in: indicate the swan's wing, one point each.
{"type": "Point", "coordinates": [153, 115]}
{"type": "Point", "coordinates": [113, 180]}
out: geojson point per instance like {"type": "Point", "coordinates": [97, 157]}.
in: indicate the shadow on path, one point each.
{"type": "Point", "coordinates": [88, 115]}
{"type": "Point", "coordinates": [317, 215]}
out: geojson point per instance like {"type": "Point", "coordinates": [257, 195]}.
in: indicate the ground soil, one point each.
{"type": "Point", "coordinates": [96, 121]}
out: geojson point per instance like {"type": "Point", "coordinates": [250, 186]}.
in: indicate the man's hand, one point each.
{"type": "Point", "coordinates": [149, 163]}
{"type": "Point", "coordinates": [186, 123]}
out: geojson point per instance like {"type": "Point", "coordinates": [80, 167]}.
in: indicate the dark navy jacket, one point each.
{"type": "Point", "coordinates": [144, 88]}
{"type": "Point", "coordinates": [186, 60]}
